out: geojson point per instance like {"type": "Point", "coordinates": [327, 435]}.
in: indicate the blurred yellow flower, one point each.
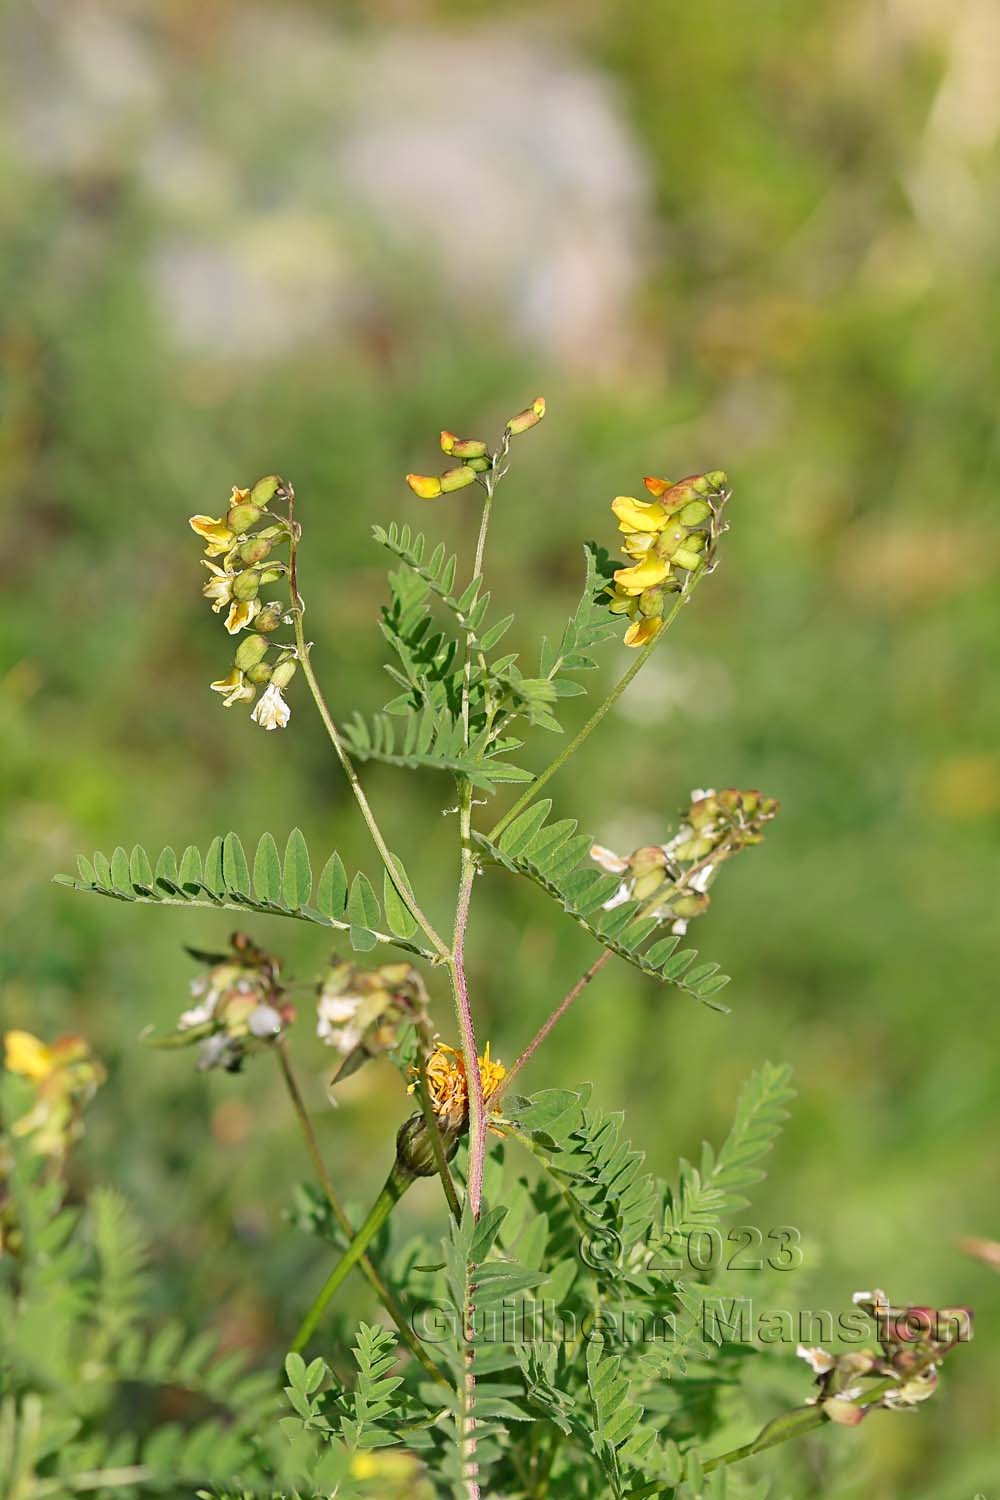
{"type": "Point", "coordinates": [25, 1054]}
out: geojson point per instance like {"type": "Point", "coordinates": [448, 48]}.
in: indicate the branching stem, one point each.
{"type": "Point", "coordinates": [302, 654]}
{"type": "Point", "coordinates": [384, 1293]}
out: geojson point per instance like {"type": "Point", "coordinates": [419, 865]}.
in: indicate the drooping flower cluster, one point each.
{"type": "Point", "coordinates": [473, 454]}
{"type": "Point", "coordinates": [361, 1011]}
{"type": "Point", "coordinates": [672, 880]}
{"type": "Point", "coordinates": [239, 1005]}
{"type": "Point", "coordinates": [912, 1342]}
{"type": "Point", "coordinates": [244, 539]}
{"type": "Point", "coordinates": [64, 1077]}
{"type": "Point", "coordinates": [669, 539]}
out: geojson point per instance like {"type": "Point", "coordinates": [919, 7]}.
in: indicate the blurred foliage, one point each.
{"type": "Point", "coordinates": [818, 314]}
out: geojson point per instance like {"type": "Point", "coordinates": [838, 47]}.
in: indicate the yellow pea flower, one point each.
{"type": "Point", "coordinates": [241, 612]}
{"type": "Point", "coordinates": [644, 575]}
{"type": "Point", "coordinates": [216, 534]}
{"type": "Point", "coordinates": [234, 688]}
{"type": "Point", "coordinates": [219, 587]}
{"type": "Point", "coordinates": [638, 515]}
{"type": "Point", "coordinates": [642, 631]}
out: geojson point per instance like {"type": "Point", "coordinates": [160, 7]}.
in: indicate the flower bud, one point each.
{"type": "Point", "coordinates": [457, 479]}
{"type": "Point", "coordinates": [246, 585]}
{"type": "Point", "coordinates": [283, 673]}
{"type": "Point", "coordinates": [480, 465]}
{"type": "Point", "coordinates": [462, 447]}
{"type": "Point", "coordinates": [265, 489]}
{"type": "Point", "coordinates": [243, 515]}
{"type": "Point", "coordinates": [844, 1413]}
{"type": "Point", "coordinates": [530, 417]}
{"type": "Point", "coordinates": [427, 486]}
{"type": "Point", "coordinates": [656, 486]}
{"type": "Point", "coordinates": [710, 483]}
{"type": "Point", "coordinates": [250, 651]}
{"type": "Point", "coordinates": [684, 557]}
{"type": "Point", "coordinates": [259, 674]}
{"type": "Point", "coordinates": [694, 513]}
{"type": "Point", "coordinates": [271, 574]}
{"type": "Point", "coordinates": [415, 1149]}
{"type": "Point", "coordinates": [270, 616]}
{"type": "Point", "coordinates": [651, 603]}
{"type": "Point", "coordinates": [255, 550]}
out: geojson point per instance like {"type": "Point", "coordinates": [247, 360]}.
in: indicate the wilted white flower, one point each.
{"type": "Point", "coordinates": [272, 712]}
{"type": "Point", "coordinates": [818, 1360]}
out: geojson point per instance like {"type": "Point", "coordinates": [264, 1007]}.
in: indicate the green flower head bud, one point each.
{"type": "Point", "coordinates": [415, 1151]}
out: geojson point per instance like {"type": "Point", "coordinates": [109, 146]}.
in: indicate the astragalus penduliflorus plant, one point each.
{"type": "Point", "coordinates": [559, 1344]}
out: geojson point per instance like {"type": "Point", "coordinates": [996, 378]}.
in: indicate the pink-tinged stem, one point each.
{"type": "Point", "coordinates": [467, 1031]}
{"type": "Point", "coordinates": [556, 1016]}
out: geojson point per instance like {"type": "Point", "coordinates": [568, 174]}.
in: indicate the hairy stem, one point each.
{"type": "Point", "coordinates": [463, 1010]}
{"type": "Point", "coordinates": [395, 1186]}
{"type": "Point", "coordinates": [384, 1293]}
{"type": "Point", "coordinates": [302, 654]}
{"type": "Point", "coordinates": [529, 795]}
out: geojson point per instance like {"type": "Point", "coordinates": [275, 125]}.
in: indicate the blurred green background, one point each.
{"type": "Point", "coordinates": [242, 239]}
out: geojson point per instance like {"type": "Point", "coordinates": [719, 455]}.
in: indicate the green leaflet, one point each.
{"type": "Point", "coordinates": [550, 854]}
{"type": "Point", "coordinates": [222, 878]}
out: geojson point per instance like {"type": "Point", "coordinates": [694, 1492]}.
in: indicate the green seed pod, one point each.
{"type": "Point", "coordinates": [265, 489]}
{"type": "Point", "coordinates": [255, 550]}
{"type": "Point", "coordinates": [240, 518]}
{"type": "Point", "coordinates": [415, 1150]}
{"type": "Point", "coordinates": [246, 585]}
{"type": "Point", "coordinates": [457, 479]}
{"type": "Point", "coordinates": [251, 650]}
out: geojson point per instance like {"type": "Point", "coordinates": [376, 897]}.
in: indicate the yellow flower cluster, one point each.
{"type": "Point", "coordinates": [668, 539]}
{"type": "Point", "coordinates": [473, 455]}
{"type": "Point", "coordinates": [65, 1075]}
{"type": "Point", "coordinates": [245, 547]}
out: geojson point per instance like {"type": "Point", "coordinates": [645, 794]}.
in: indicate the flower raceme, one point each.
{"type": "Point", "coordinates": [361, 1011]}
{"type": "Point", "coordinates": [239, 1005]}
{"type": "Point", "coordinates": [473, 455]}
{"type": "Point", "coordinates": [244, 546]}
{"type": "Point", "coordinates": [668, 540]}
{"type": "Point", "coordinates": [672, 880]}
